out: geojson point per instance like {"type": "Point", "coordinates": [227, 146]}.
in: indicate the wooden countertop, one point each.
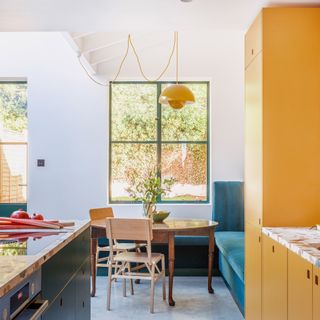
{"type": "Point", "coordinates": [13, 269]}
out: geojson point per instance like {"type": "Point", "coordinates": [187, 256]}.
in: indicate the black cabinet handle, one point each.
{"type": "Point", "coordinates": [61, 302]}
{"type": "Point", "coordinates": [82, 304]}
{"type": "Point", "coordinates": [316, 280]}
{"type": "Point", "coordinates": [273, 249]}
{"type": "Point", "coordinates": [308, 274]}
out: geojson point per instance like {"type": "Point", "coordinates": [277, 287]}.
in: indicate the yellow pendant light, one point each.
{"type": "Point", "coordinates": [177, 95]}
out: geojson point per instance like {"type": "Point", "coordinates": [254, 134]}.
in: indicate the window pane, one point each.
{"type": "Point", "coordinates": [13, 111]}
{"type": "Point", "coordinates": [13, 142]}
{"type": "Point", "coordinates": [128, 159]}
{"type": "Point", "coordinates": [13, 173]}
{"type": "Point", "coordinates": [190, 122]}
{"type": "Point", "coordinates": [134, 112]}
{"type": "Point", "coordinates": [187, 164]}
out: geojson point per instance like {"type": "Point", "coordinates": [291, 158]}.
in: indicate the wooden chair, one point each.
{"type": "Point", "coordinates": [137, 230]}
{"type": "Point", "coordinates": [103, 262]}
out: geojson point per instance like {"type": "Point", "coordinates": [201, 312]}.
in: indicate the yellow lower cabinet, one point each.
{"type": "Point", "coordinates": [300, 282]}
{"type": "Point", "coordinates": [253, 272]}
{"type": "Point", "coordinates": [316, 293]}
{"type": "Point", "coordinates": [274, 280]}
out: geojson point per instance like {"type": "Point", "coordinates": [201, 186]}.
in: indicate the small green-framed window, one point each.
{"type": "Point", "coordinates": [13, 142]}
{"type": "Point", "coordinates": [144, 134]}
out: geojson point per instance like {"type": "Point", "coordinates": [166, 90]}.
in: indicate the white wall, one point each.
{"type": "Point", "coordinates": [68, 115]}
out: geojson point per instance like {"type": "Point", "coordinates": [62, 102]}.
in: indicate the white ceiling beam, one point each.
{"type": "Point", "coordinates": [83, 59]}
{"type": "Point", "coordinates": [105, 55]}
{"type": "Point", "coordinates": [78, 35]}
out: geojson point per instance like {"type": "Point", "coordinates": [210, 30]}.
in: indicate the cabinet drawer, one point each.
{"type": "Point", "coordinates": [253, 40]}
{"type": "Point", "coordinates": [274, 280]}
{"type": "Point", "coordinates": [253, 272]}
{"type": "Point", "coordinates": [82, 280]}
{"type": "Point", "coordinates": [316, 293]}
{"type": "Point", "coordinates": [299, 288]}
{"type": "Point", "coordinates": [82, 247]}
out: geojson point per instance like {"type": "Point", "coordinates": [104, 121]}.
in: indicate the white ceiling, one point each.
{"type": "Point", "coordinates": [133, 15]}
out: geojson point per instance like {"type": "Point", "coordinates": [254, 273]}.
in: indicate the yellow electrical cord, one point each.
{"type": "Point", "coordinates": [130, 43]}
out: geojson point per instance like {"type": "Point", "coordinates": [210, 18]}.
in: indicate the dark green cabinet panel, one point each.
{"type": "Point", "coordinates": [83, 292]}
{"type": "Point", "coordinates": [66, 281]}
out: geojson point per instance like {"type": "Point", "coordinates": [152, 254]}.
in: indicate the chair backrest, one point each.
{"type": "Point", "coordinates": [101, 213]}
{"type": "Point", "coordinates": [228, 205]}
{"type": "Point", "coordinates": [130, 229]}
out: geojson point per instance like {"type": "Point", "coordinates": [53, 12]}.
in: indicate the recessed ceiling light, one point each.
{"type": "Point", "coordinates": [186, 0]}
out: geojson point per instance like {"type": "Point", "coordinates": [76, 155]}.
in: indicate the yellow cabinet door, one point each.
{"type": "Point", "coordinates": [253, 272]}
{"type": "Point", "coordinates": [253, 40]}
{"type": "Point", "coordinates": [274, 280]}
{"type": "Point", "coordinates": [253, 143]}
{"type": "Point", "coordinates": [300, 298]}
{"type": "Point", "coordinates": [316, 293]}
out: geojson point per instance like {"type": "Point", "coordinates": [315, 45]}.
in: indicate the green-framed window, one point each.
{"type": "Point", "coordinates": [144, 135]}
{"type": "Point", "coordinates": [13, 142]}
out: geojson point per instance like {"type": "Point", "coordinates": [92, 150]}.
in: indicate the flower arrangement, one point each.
{"type": "Point", "coordinates": [147, 189]}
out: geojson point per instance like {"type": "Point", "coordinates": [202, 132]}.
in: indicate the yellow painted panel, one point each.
{"type": "Point", "coordinates": [316, 293]}
{"type": "Point", "coordinates": [291, 116]}
{"type": "Point", "coordinates": [253, 142]}
{"type": "Point", "coordinates": [253, 40]}
{"type": "Point", "coordinates": [299, 288]}
{"type": "Point", "coordinates": [253, 272]}
{"type": "Point", "coordinates": [274, 280]}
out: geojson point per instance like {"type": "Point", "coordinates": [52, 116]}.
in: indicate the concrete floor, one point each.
{"type": "Point", "coordinates": [190, 293]}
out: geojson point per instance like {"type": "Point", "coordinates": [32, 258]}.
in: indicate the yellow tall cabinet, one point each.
{"type": "Point", "coordinates": [282, 131]}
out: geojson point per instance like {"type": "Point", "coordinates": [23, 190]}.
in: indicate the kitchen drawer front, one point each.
{"type": "Point", "coordinates": [82, 248]}
{"type": "Point", "coordinates": [300, 283]}
{"type": "Point", "coordinates": [253, 40]}
{"type": "Point", "coordinates": [58, 270]}
{"type": "Point", "coordinates": [316, 293]}
{"type": "Point", "coordinates": [82, 280]}
{"type": "Point", "coordinates": [63, 307]}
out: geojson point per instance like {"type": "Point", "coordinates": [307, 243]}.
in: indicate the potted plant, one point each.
{"type": "Point", "coordinates": [147, 189]}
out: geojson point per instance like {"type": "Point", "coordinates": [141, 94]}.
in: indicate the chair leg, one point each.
{"type": "Point", "coordinates": [131, 281]}
{"type": "Point", "coordinates": [163, 270]}
{"type": "Point", "coordinates": [152, 289]}
{"type": "Point", "coordinates": [124, 282]}
{"type": "Point", "coordinates": [109, 287]}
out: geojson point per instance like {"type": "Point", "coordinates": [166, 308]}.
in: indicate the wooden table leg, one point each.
{"type": "Point", "coordinates": [171, 266]}
{"type": "Point", "coordinates": [211, 255]}
{"type": "Point", "coordinates": [93, 249]}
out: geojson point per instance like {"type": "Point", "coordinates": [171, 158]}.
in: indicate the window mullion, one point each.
{"type": "Point", "coordinates": [159, 120]}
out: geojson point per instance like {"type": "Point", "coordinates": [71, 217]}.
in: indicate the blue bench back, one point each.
{"type": "Point", "coordinates": [228, 205]}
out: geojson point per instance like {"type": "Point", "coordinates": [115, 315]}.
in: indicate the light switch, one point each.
{"type": "Point", "coordinates": [40, 162]}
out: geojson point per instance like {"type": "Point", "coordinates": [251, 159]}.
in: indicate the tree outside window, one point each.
{"type": "Point", "coordinates": [145, 135]}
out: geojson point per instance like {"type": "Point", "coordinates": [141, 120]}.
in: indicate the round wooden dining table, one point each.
{"type": "Point", "coordinates": [163, 233]}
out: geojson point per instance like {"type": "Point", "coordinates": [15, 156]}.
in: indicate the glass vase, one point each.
{"type": "Point", "coordinates": [148, 209]}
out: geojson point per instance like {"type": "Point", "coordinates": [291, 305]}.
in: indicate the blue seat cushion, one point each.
{"type": "Point", "coordinates": [231, 245]}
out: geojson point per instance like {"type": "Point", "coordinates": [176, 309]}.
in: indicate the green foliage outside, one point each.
{"type": "Point", "coordinates": [134, 119]}
{"type": "Point", "coordinates": [13, 106]}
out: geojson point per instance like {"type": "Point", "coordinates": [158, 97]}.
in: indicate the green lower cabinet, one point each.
{"type": "Point", "coordinates": [66, 281]}
{"type": "Point", "coordinates": [83, 292]}
{"type": "Point", "coordinates": [63, 306]}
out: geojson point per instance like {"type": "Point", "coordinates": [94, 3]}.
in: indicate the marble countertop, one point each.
{"type": "Point", "coordinates": [303, 241]}
{"type": "Point", "coordinates": [13, 269]}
